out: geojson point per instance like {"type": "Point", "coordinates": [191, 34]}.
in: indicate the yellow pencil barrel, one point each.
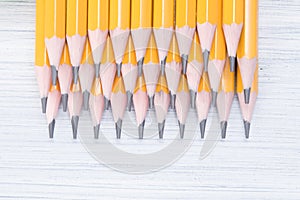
{"type": "Point", "coordinates": [163, 13]}
{"type": "Point", "coordinates": [141, 14]}
{"type": "Point", "coordinates": [119, 14]}
{"type": "Point", "coordinates": [76, 17]}
{"type": "Point", "coordinates": [227, 80]}
{"type": "Point", "coordinates": [248, 46]}
{"type": "Point", "coordinates": [98, 14]}
{"type": "Point", "coordinates": [218, 50]}
{"type": "Point", "coordinates": [151, 52]}
{"type": "Point", "coordinates": [186, 13]}
{"type": "Point", "coordinates": [108, 53]}
{"type": "Point", "coordinates": [204, 83]}
{"type": "Point", "coordinates": [233, 11]}
{"type": "Point", "coordinates": [196, 53]}
{"type": "Point", "coordinates": [87, 54]}
{"type": "Point", "coordinates": [41, 57]}
{"type": "Point", "coordinates": [129, 56]}
{"type": "Point", "coordinates": [207, 11]}
{"type": "Point", "coordinates": [173, 54]}
{"type": "Point", "coordinates": [65, 58]}
{"type": "Point", "coordinates": [55, 18]}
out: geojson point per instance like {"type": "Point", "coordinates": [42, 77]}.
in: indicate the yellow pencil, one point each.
{"type": "Point", "coordinates": [203, 101]}
{"type": "Point", "coordinates": [65, 77]}
{"type": "Point", "coordinates": [207, 19]}
{"type": "Point", "coordinates": [42, 69]}
{"type": "Point", "coordinates": [217, 56]}
{"type": "Point", "coordinates": [233, 18]}
{"type": "Point", "coordinates": [55, 33]}
{"type": "Point", "coordinates": [173, 70]}
{"type": "Point", "coordinates": [76, 30]}
{"type": "Point", "coordinates": [163, 27]}
{"type": "Point", "coordinates": [247, 109]}
{"type": "Point", "coordinates": [225, 97]}
{"type": "Point", "coordinates": [248, 50]}
{"type": "Point", "coordinates": [194, 68]}
{"type": "Point", "coordinates": [185, 28]}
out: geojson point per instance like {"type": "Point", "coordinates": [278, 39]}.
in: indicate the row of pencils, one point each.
{"type": "Point", "coordinates": [146, 54]}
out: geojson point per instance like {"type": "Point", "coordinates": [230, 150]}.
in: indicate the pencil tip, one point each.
{"type": "Point", "coordinates": [151, 102]}
{"type": "Point", "coordinates": [44, 104]}
{"type": "Point", "coordinates": [129, 101]}
{"type": "Point", "coordinates": [140, 66]}
{"type": "Point", "coordinates": [173, 99]}
{"type": "Point", "coordinates": [96, 131]}
{"type": "Point", "coordinates": [205, 59]}
{"type": "Point", "coordinates": [51, 129]}
{"type": "Point", "coordinates": [202, 128]}
{"type": "Point", "coordinates": [64, 99]}
{"type": "Point", "coordinates": [184, 61]}
{"type": "Point", "coordinates": [106, 103]}
{"type": "Point", "coordinates": [214, 98]}
{"type": "Point", "coordinates": [53, 75]}
{"type": "Point", "coordinates": [247, 129]}
{"type": "Point", "coordinates": [193, 99]}
{"type": "Point", "coordinates": [232, 63]}
{"type": "Point", "coordinates": [181, 129]}
{"type": "Point", "coordinates": [74, 122]}
{"type": "Point", "coordinates": [86, 96]}
{"type": "Point", "coordinates": [118, 128]}
{"type": "Point", "coordinates": [141, 130]}
{"type": "Point", "coordinates": [161, 128]}
{"type": "Point", "coordinates": [223, 129]}
{"type": "Point", "coordinates": [247, 93]}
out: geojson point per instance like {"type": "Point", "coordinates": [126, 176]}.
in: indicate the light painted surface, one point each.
{"type": "Point", "coordinates": [265, 167]}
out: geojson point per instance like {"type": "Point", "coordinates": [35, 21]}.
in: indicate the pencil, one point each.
{"type": "Point", "coordinates": [76, 38]}
{"type": "Point", "coordinates": [247, 49]}
{"type": "Point", "coordinates": [65, 77]}
{"type": "Point", "coordinates": [185, 28]}
{"type": "Point", "coordinates": [217, 56]}
{"type": "Point", "coordinates": [194, 69]}
{"type": "Point", "coordinates": [42, 69]}
{"type": "Point", "coordinates": [203, 101]}
{"type": "Point", "coordinates": [173, 70]}
{"type": "Point", "coordinates": [247, 109]}
{"type": "Point", "coordinates": [55, 33]}
{"type": "Point", "coordinates": [225, 97]}
{"type": "Point", "coordinates": [140, 102]}
{"type": "Point", "coordinates": [129, 71]}
{"type": "Point", "coordinates": [161, 102]}
{"type": "Point", "coordinates": [207, 19]}
{"type": "Point", "coordinates": [86, 74]}
{"type": "Point", "coordinates": [233, 18]}
{"type": "Point", "coordinates": [163, 28]}
{"type": "Point", "coordinates": [151, 69]}
{"type": "Point", "coordinates": [52, 107]}
{"type": "Point", "coordinates": [107, 71]}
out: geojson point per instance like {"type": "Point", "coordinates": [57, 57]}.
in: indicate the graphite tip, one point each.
{"type": "Point", "coordinates": [106, 103]}
{"type": "Point", "coordinates": [181, 129]}
{"type": "Point", "coordinates": [184, 61]}
{"type": "Point", "coordinates": [51, 129]}
{"type": "Point", "coordinates": [247, 95]}
{"type": "Point", "coordinates": [64, 99]}
{"type": "Point", "coordinates": [141, 130]}
{"type": "Point", "coordinates": [205, 59]}
{"type": "Point", "coordinates": [44, 104]}
{"type": "Point", "coordinates": [86, 96]}
{"type": "Point", "coordinates": [118, 128]}
{"type": "Point", "coordinates": [53, 75]}
{"type": "Point", "coordinates": [214, 98]}
{"type": "Point", "coordinates": [193, 99]}
{"type": "Point", "coordinates": [232, 63]}
{"type": "Point", "coordinates": [129, 100]}
{"type": "Point", "coordinates": [247, 129]}
{"type": "Point", "coordinates": [161, 128]}
{"type": "Point", "coordinates": [151, 102]}
{"type": "Point", "coordinates": [74, 122]}
{"type": "Point", "coordinates": [173, 99]}
{"type": "Point", "coordinates": [202, 128]}
{"type": "Point", "coordinates": [140, 66]}
{"type": "Point", "coordinates": [96, 131]}
{"type": "Point", "coordinates": [223, 129]}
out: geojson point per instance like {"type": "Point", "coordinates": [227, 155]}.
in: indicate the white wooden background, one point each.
{"type": "Point", "coordinates": [265, 167]}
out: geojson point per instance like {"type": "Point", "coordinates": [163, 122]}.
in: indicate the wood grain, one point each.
{"type": "Point", "coordinates": [265, 167]}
